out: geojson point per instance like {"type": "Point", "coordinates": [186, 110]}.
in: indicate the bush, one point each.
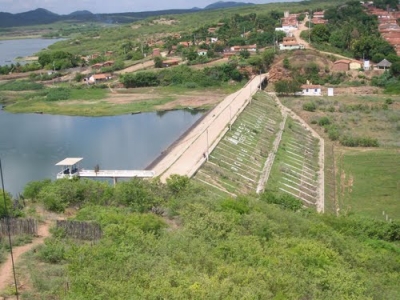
{"type": "Point", "coordinates": [21, 85]}
{"type": "Point", "coordinates": [56, 94]}
{"type": "Point", "coordinates": [177, 184]}
{"type": "Point", "coordinates": [53, 251]}
{"type": "Point", "coordinates": [350, 141]}
{"type": "Point", "coordinates": [309, 106]}
{"type": "Point", "coordinates": [33, 188]}
{"type": "Point", "coordinates": [324, 121]}
{"type": "Point", "coordinates": [285, 201]}
{"type": "Point", "coordinates": [389, 101]}
{"type": "Point", "coordinates": [239, 205]}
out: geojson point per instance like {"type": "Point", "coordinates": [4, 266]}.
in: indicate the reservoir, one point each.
{"type": "Point", "coordinates": [31, 144]}
{"type": "Point", "coordinates": [11, 49]}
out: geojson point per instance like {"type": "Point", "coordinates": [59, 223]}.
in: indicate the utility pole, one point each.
{"type": "Point", "coordinates": [309, 27]}
{"type": "Point", "coordinates": [207, 144]}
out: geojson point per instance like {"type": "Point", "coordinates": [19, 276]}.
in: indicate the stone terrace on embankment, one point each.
{"type": "Point", "coordinates": [236, 164]}
{"type": "Point", "coordinates": [296, 167]}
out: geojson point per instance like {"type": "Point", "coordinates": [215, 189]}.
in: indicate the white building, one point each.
{"type": "Point", "coordinates": [290, 45]}
{"type": "Point", "coordinates": [311, 90]}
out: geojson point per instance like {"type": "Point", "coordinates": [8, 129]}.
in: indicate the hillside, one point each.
{"type": "Point", "coordinates": [43, 16]}
{"type": "Point", "coordinates": [226, 4]}
{"type": "Point", "coordinates": [199, 245]}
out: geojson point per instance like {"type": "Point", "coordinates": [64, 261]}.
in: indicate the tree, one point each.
{"type": "Point", "coordinates": [287, 87]}
{"type": "Point", "coordinates": [244, 53]}
{"type": "Point", "coordinates": [395, 69]}
{"type": "Point", "coordinates": [320, 33]}
{"type": "Point", "coordinates": [8, 204]}
{"type": "Point", "coordinates": [158, 63]}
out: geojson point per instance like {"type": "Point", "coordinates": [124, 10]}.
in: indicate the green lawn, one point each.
{"type": "Point", "coordinates": [369, 182]}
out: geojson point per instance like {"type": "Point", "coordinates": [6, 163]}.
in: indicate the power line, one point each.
{"type": "Point", "coordinates": [9, 231]}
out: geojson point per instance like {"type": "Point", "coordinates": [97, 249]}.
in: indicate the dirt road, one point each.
{"type": "Point", "coordinates": [6, 271]}
{"type": "Point", "coordinates": [137, 67]}
{"type": "Point", "coordinates": [188, 155]}
{"type": "Point", "coordinates": [297, 32]}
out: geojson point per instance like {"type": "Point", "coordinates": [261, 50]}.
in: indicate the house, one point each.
{"type": "Point", "coordinates": [290, 45]}
{"type": "Point", "coordinates": [156, 52]}
{"type": "Point", "coordinates": [384, 64]}
{"type": "Point", "coordinates": [311, 90]}
{"type": "Point", "coordinates": [184, 44]}
{"type": "Point", "coordinates": [97, 66]}
{"type": "Point", "coordinates": [355, 65]}
{"type": "Point", "coordinates": [170, 62]}
{"type": "Point", "coordinates": [202, 52]}
{"type": "Point", "coordinates": [250, 48]}
{"type": "Point", "coordinates": [97, 77]}
{"type": "Point", "coordinates": [214, 40]}
{"type": "Point", "coordinates": [341, 65]}
{"type": "Point", "coordinates": [319, 14]}
{"type": "Point", "coordinates": [108, 63]}
{"type": "Point", "coordinates": [109, 53]}
{"type": "Point", "coordinates": [212, 30]}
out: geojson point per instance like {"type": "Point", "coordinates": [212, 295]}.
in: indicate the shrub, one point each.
{"type": "Point", "coordinates": [56, 94]}
{"type": "Point", "coordinates": [21, 85]}
{"type": "Point", "coordinates": [389, 101]}
{"type": "Point", "coordinates": [350, 141]}
{"type": "Point", "coordinates": [285, 201]}
{"type": "Point", "coordinates": [324, 121]}
{"type": "Point", "coordinates": [309, 106]}
{"type": "Point", "coordinates": [53, 251]}
{"type": "Point", "coordinates": [333, 132]}
{"type": "Point", "coordinates": [177, 184]}
{"type": "Point", "coordinates": [239, 205]}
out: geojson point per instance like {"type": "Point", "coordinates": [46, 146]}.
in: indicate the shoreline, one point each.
{"type": "Point", "coordinates": [176, 142]}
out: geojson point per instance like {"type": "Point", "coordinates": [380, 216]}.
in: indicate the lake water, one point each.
{"type": "Point", "coordinates": [31, 144]}
{"type": "Point", "coordinates": [11, 49]}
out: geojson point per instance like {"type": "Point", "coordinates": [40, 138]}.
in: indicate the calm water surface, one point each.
{"type": "Point", "coordinates": [11, 49]}
{"type": "Point", "coordinates": [31, 144]}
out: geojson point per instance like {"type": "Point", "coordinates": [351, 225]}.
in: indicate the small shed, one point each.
{"type": "Point", "coordinates": [355, 65]}
{"type": "Point", "coordinates": [311, 90]}
{"type": "Point", "coordinates": [341, 65]}
{"type": "Point", "coordinates": [384, 64]}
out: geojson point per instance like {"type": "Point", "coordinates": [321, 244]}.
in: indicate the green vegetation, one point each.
{"type": "Point", "coordinates": [350, 28]}
{"type": "Point", "coordinates": [201, 245]}
{"type": "Point", "coordinates": [182, 75]}
{"type": "Point", "coordinates": [20, 85]}
{"type": "Point", "coordinates": [368, 182]}
{"type": "Point", "coordinates": [364, 120]}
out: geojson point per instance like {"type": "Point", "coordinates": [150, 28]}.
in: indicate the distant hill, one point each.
{"type": "Point", "coordinates": [43, 16]}
{"type": "Point", "coordinates": [37, 16]}
{"type": "Point", "coordinates": [226, 4]}
{"type": "Point", "coordinates": [80, 13]}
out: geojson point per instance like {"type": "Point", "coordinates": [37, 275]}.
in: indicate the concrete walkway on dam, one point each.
{"type": "Point", "coordinates": [188, 154]}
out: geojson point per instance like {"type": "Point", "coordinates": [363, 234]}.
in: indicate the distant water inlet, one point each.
{"type": "Point", "coordinates": [10, 50]}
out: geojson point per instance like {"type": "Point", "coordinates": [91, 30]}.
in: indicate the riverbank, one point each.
{"type": "Point", "coordinates": [96, 102]}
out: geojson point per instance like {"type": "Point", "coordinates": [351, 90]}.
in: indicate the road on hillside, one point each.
{"type": "Point", "coordinates": [188, 154]}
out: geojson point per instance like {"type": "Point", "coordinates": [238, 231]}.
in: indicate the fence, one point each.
{"type": "Point", "coordinates": [80, 230]}
{"type": "Point", "coordinates": [19, 226]}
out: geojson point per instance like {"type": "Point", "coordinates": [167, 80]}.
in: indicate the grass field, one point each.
{"type": "Point", "coordinates": [103, 102]}
{"type": "Point", "coordinates": [358, 115]}
{"type": "Point", "coordinates": [369, 182]}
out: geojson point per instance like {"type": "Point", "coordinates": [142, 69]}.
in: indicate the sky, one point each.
{"type": "Point", "coordinates": [106, 6]}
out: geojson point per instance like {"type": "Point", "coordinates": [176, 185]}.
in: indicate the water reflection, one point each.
{"type": "Point", "coordinates": [31, 144]}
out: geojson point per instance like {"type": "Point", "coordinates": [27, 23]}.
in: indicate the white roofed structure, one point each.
{"type": "Point", "coordinates": [69, 161]}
